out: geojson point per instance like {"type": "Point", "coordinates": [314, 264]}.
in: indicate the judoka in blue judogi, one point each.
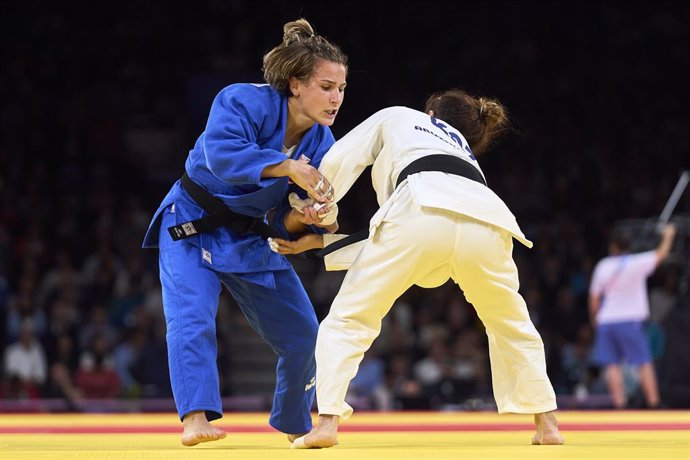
{"type": "Point", "coordinates": [244, 135]}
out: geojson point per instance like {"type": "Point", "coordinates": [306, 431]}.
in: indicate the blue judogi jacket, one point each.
{"type": "Point", "coordinates": [244, 135]}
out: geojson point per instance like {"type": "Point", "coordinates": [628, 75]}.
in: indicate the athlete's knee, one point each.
{"type": "Point", "coordinates": [302, 346]}
{"type": "Point", "coordinates": [310, 329]}
{"type": "Point", "coordinates": [307, 341]}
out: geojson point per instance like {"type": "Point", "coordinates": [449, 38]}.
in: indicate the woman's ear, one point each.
{"type": "Point", "coordinates": [431, 113]}
{"type": "Point", "coordinates": [294, 86]}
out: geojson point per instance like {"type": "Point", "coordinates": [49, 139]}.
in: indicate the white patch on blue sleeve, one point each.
{"type": "Point", "coordinates": [206, 255]}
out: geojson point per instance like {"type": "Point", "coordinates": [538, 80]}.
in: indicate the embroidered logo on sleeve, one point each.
{"type": "Point", "coordinates": [311, 384]}
{"type": "Point", "coordinates": [206, 255]}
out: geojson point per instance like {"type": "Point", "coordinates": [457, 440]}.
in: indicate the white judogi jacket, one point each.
{"type": "Point", "coordinates": [390, 140]}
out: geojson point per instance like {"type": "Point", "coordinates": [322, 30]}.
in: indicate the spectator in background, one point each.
{"type": "Point", "coordinates": [406, 392]}
{"type": "Point", "coordinates": [64, 364]}
{"type": "Point", "coordinates": [470, 366]}
{"type": "Point", "coordinates": [369, 383]}
{"type": "Point", "coordinates": [576, 376]}
{"type": "Point", "coordinates": [25, 361]}
{"type": "Point", "coordinates": [98, 326]}
{"type": "Point", "coordinates": [150, 369]}
{"type": "Point", "coordinates": [130, 290]}
{"type": "Point", "coordinates": [62, 347]}
{"type": "Point", "coordinates": [429, 370]}
{"type": "Point", "coordinates": [100, 271]}
{"type": "Point", "coordinates": [22, 308]}
{"type": "Point", "coordinates": [618, 307]}
{"type": "Point", "coordinates": [96, 377]}
{"type": "Point", "coordinates": [125, 355]}
{"type": "Point", "coordinates": [60, 277]}
{"type": "Point", "coordinates": [437, 373]}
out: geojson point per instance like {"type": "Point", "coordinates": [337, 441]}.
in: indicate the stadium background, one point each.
{"type": "Point", "coordinates": [101, 102]}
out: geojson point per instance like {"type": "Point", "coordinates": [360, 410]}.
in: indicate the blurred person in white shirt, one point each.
{"type": "Point", "coordinates": [618, 308]}
{"type": "Point", "coordinates": [25, 359]}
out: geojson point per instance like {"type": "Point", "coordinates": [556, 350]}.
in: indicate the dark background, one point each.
{"type": "Point", "coordinates": [102, 100]}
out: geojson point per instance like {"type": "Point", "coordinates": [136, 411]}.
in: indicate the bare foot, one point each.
{"type": "Point", "coordinates": [292, 437]}
{"type": "Point", "coordinates": [198, 429]}
{"type": "Point", "coordinates": [547, 430]}
{"type": "Point", "coordinates": [324, 435]}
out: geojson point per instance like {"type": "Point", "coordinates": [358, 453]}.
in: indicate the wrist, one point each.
{"type": "Point", "coordinates": [293, 222]}
{"type": "Point", "coordinates": [316, 241]}
{"type": "Point", "coordinates": [283, 169]}
{"type": "Point", "coordinates": [288, 167]}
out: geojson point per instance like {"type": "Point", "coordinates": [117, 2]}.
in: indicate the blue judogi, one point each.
{"type": "Point", "coordinates": [244, 135]}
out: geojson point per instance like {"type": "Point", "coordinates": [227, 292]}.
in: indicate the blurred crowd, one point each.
{"type": "Point", "coordinates": [97, 116]}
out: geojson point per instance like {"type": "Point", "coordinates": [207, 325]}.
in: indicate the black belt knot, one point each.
{"type": "Point", "coordinates": [219, 215]}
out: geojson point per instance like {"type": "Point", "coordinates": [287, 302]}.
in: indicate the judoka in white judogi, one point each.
{"type": "Point", "coordinates": [432, 227]}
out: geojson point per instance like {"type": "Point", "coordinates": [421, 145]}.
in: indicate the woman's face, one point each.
{"type": "Point", "coordinates": [318, 100]}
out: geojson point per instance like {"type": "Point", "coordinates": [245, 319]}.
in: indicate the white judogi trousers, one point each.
{"type": "Point", "coordinates": [427, 246]}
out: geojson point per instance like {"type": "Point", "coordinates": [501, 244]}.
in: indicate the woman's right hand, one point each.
{"type": "Point", "coordinates": [305, 176]}
{"type": "Point", "coordinates": [311, 180]}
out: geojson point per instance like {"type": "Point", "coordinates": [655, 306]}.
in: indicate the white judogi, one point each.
{"type": "Point", "coordinates": [434, 226]}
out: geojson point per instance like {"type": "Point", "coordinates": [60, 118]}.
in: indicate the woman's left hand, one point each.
{"type": "Point", "coordinates": [304, 243]}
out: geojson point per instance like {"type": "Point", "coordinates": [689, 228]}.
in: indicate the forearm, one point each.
{"type": "Point", "coordinates": [312, 241]}
{"type": "Point", "coordinates": [293, 224]}
{"type": "Point", "coordinates": [282, 169]}
{"type": "Point", "coordinates": [304, 243]}
{"type": "Point", "coordinates": [664, 248]}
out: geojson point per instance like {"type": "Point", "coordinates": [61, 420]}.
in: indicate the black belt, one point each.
{"type": "Point", "coordinates": [219, 215]}
{"type": "Point", "coordinates": [443, 163]}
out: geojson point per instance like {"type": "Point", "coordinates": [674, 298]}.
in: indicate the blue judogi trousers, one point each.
{"type": "Point", "coordinates": [284, 317]}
